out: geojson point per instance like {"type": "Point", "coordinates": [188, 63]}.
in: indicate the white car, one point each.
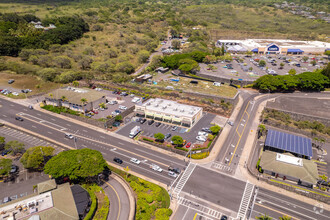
{"type": "Point", "coordinates": [201, 138]}
{"type": "Point", "coordinates": [202, 133]}
{"type": "Point", "coordinates": [156, 168]}
{"type": "Point", "coordinates": [172, 174]}
{"type": "Point", "coordinates": [136, 161]}
{"type": "Point", "coordinates": [122, 107]}
{"type": "Point", "coordinates": [15, 93]}
{"type": "Point", "coordinates": [114, 113]}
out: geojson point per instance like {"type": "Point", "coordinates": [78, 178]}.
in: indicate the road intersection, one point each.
{"type": "Point", "coordinates": [208, 185]}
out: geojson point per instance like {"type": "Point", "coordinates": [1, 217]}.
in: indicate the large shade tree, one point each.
{"type": "Point", "coordinates": [78, 165]}
{"type": "Point", "coordinates": [5, 166]}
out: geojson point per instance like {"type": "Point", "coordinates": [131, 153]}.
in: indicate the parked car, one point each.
{"type": "Point", "coordinates": [114, 113]}
{"type": "Point", "coordinates": [95, 111]}
{"type": "Point", "coordinates": [174, 128]}
{"type": "Point", "coordinates": [136, 161]}
{"type": "Point", "coordinates": [116, 124]}
{"type": "Point", "coordinates": [118, 111]}
{"type": "Point", "coordinates": [201, 138]}
{"type": "Point", "coordinates": [117, 160]}
{"type": "Point", "coordinates": [223, 217]}
{"type": "Point", "coordinates": [150, 122]}
{"type": "Point", "coordinates": [202, 133]}
{"type": "Point", "coordinates": [143, 120]}
{"type": "Point", "coordinates": [172, 174]}
{"type": "Point", "coordinates": [11, 81]}
{"type": "Point", "coordinates": [157, 124]}
{"type": "Point", "coordinates": [122, 107]}
{"type": "Point", "coordinates": [70, 136]}
{"type": "Point", "coordinates": [168, 135]}
{"type": "Point", "coordinates": [14, 169]}
{"type": "Point", "coordinates": [15, 93]}
{"type": "Point", "coordinates": [175, 170]}
{"type": "Point", "coordinates": [231, 123]}
{"type": "Point", "coordinates": [188, 144]}
{"type": "Point", "coordinates": [207, 130]}
{"type": "Point", "coordinates": [30, 107]}
{"type": "Point", "coordinates": [19, 119]}
{"type": "Point", "coordinates": [6, 199]}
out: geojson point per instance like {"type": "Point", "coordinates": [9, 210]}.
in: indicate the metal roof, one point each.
{"type": "Point", "coordinates": [290, 143]}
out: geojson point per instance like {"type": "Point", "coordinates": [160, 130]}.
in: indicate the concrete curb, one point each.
{"type": "Point", "coordinates": [130, 194]}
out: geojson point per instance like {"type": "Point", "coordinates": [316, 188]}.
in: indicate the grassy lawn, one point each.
{"type": "Point", "coordinates": [26, 82]}
{"type": "Point", "coordinates": [202, 87]}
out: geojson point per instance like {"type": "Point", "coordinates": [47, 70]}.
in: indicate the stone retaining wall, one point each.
{"type": "Point", "coordinates": [225, 80]}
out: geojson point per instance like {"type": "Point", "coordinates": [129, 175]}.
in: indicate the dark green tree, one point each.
{"type": "Point", "coordinates": [118, 118]}
{"type": "Point", "coordinates": [5, 166]}
{"type": "Point", "coordinates": [262, 63]}
{"type": "Point", "coordinates": [177, 140]}
{"type": "Point", "coordinates": [159, 136]}
{"type": "Point", "coordinates": [215, 129]}
{"type": "Point", "coordinates": [76, 164]}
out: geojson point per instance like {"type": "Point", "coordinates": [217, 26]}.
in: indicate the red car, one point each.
{"type": "Point", "coordinates": [188, 145]}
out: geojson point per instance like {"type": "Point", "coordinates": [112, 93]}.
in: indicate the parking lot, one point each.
{"type": "Point", "coordinates": [120, 100]}
{"type": "Point", "coordinates": [242, 70]}
{"type": "Point", "coordinates": [164, 128]}
{"type": "Point", "coordinates": [21, 183]}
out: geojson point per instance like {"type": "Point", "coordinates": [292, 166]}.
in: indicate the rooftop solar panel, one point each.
{"type": "Point", "coordinates": [289, 142]}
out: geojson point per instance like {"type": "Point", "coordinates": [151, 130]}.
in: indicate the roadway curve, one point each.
{"type": "Point", "coordinates": [119, 199]}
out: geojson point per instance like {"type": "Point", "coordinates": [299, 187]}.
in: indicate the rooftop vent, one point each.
{"type": "Point", "coordinates": [164, 107]}
{"type": "Point", "coordinates": [182, 110]}
{"type": "Point", "coordinates": [175, 109]}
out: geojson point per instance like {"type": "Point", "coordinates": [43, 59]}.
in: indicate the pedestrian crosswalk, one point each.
{"type": "Point", "coordinates": [245, 202]}
{"type": "Point", "coordinates": [199, 208]}
{"type": "Point", "coordinates": [184, 178]}
{"type": "Point", "coordinates": [28, 140]}
{"type": "Point", "coordinates": [221, 166]}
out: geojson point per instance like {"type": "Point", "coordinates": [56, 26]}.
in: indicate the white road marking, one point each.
{"type": "Point", "coordinates": [4, 116]}
{"type": "Point", "coordinates": [38, 114]}
{"type": "Point", "coordinates": [53, 119]}
{"type": "Point", "coordinates": [84, 131]}
{"type": "Point", "coordinates": [11, 105]}
{"type": "Point", "coordinates": [120, 143]}
{"type": "Point", "coordinates": [49, 132]}
{"type": "Point", "coordinates": [102, 137]}
{"type": "Point", "coordinates": [68, 125]}
{"type": "Point", "coordinates": [34, 126]}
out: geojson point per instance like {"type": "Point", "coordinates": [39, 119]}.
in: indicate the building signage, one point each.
{"type": "Point", "coordinates": [273, 48]}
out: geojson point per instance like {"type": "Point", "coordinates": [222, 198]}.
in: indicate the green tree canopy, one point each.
{"type": "Point", "coordinates": [176, 44]}
{"type": "Point", "coordinates": [76, 164]}
{"type": "Point", "coordinates": [177, 140]}
{"type": "Point", "coordinates": [5, 166]}
{"type": "Point", "coordinates": [15, 147]}
{"type": "Point", "coordinates": [118, 118]}
{"type": "Point", "coordinates": [36, 157]}
{"type": "Point", "coordinates": [2, 140]}
{"type": "Point", "coordinates": [159, 136]}
{"type": "Point", "coordinates": [285, 217]}
{"type": "Point", "coordinates": [262, 63]}
{"type": "Point", "coordinates": [143, 55]}
{"type": "Point", "coordinates": [215, 129]}
{"type": "Point", "coordinates": [292, 72]}
{"type": "Point", "coordinates": [264, 217]}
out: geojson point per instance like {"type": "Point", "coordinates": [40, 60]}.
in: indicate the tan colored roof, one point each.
{"type": "Point", "coordinates": [46, 186]}
{"type": "Point", "coordinates": [307, 173]}
{"type": "Point", "coordinates": [74, 97]}
{"type": "Point", "coordinates": [64, 205]}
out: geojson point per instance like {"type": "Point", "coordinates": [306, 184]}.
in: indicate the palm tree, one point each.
{"type": "Point", "coordinates": [264, 217]}
{"type": "Point", "coordinates": [285, 217]}
{"type": "Point", "coordinates": [83, 100]}
{"type": "Point", "coordinates": [52, 96]}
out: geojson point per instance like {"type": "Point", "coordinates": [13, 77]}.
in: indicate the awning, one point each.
{"type": "Point", "coordinates": [167, 118]}
{"type": "Point", "coordinates": [176, 119]}
{"type": "Point", "coordinates": [158, 115]}
{"type": "Point", "coordinates": [295, 51]}
{"type": "Point", "coordinates": [255, 50]}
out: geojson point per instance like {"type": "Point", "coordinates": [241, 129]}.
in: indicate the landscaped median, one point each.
{"type": "Point", "coordinates": [153, 201]}
{"type": "Point", "coordinates": [100, 203]}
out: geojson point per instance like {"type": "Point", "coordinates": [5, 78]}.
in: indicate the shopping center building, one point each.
{"type": "Point", "coordinates": [170, 112]}
{"type": "Point", "coordinates": [274, 46]}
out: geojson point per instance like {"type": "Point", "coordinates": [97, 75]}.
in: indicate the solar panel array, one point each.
{"type": "Point", "coordinates": [289, 142]}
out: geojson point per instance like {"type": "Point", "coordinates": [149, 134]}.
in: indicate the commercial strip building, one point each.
{"type": "Point", "coordinates": [51, 201]}
{"type": "Point", "coordinates": [170, 112]}
{"type": "Point", "coordinates": [275, 46]}
{"type": "Point", "coordinates": [72, 98]}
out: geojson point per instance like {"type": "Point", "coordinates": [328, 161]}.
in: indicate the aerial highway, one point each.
{"type": "Point", "coordinates": [203, 183]}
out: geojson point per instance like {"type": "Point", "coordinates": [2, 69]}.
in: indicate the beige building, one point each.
{"type": "Point", "coordinates": [170, 112]}
{"type": "Point", "coordinates": [71, 98]}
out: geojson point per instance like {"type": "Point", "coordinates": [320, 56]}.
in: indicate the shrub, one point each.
{"type": "Point", "coordinates": [93, 207]}
{"type": "Point", "coordinates": [200, 155]}
{"type": "Point", "coordinates": [147, 139]}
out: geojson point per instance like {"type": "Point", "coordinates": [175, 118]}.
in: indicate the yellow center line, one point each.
{"type": "Point", "coordinates": [119, 206]}
{"type": "Point", "coordinates": [274, 210]}
{"type": "Point", "coordinates": [195, 216]}
{"type": "Point", "coordinates": [240, 137]}
{"type": "Point", "coordinates": [96, 141]}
